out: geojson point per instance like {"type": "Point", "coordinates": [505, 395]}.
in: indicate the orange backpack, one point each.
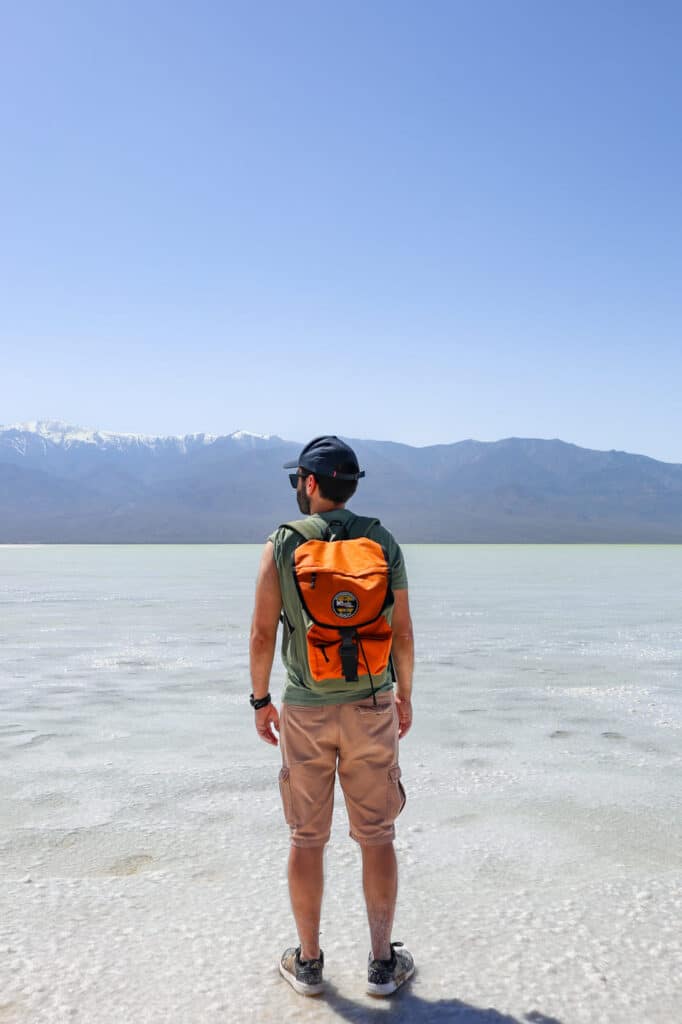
{"type": "Point", "coordinates": [344, 586]}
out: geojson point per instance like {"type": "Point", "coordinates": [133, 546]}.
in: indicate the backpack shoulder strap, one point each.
{"type": "Point", "coordinates": [360, 526]}
{"type": "Point", "coordinates": [305, 528]}
{"type": "Point", "coordinates": [308, 529]}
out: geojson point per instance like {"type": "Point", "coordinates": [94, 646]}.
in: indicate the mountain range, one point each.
{"type": "Point", "coordinates": [65, 484]}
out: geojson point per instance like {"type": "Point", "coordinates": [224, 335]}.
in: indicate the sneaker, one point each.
{"type": "Point", "coordinates": [385, 976]}
{"type": "Point", "coordinates": [305, 976]}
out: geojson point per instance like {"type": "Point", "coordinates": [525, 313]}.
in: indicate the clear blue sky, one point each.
{"type": "Point", "coordinates": [416, 221]}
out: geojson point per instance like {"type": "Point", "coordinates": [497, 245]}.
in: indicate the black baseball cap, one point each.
{"type": "Point", "coordinates": [324, 456]}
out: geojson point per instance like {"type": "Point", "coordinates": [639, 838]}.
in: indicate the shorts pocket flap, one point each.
{"type": "Point", "coordinates": [397, 798]}
{"type": "Point", "coordinates": [285, 793]}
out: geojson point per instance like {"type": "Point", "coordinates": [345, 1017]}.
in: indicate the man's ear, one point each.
{"type": "Point", "coordinates": [310, 484]}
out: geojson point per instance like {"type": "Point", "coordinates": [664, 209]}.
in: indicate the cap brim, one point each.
{"type": "Point", "coordinates": [291, 465]}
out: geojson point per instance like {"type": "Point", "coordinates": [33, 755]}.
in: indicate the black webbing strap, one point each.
{"type": "Point", "coordinates": [284, 619]}
{"type": "Point", "coordinates": [336, 530]}
{"type": "Point", "coordinates": [349, 655]}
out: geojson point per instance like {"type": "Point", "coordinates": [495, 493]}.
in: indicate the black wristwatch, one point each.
{"type": "Point", "coordinates": [261, 702]}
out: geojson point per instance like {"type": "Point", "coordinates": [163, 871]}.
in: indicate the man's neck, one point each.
{"type": "Point", "coordinates": [324, 505]}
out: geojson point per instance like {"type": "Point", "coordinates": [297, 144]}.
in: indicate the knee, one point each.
{"type": "Point", "coordinates": [305, 858]}
{"type": "Point", "coordinates": [379, 856]}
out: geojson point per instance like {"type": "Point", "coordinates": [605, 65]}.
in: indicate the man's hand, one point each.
{"type": "Point", "coordinates": [267, 723]}
{"type": "Point", "coordinates": [404, 708]}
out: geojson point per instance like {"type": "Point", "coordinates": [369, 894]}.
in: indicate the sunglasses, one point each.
{"type": "Point", "coordinates": [295, 477]}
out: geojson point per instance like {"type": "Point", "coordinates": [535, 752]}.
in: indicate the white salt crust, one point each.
{"type": "Point", "coordinates": [507, 922]}
{"type": "Point", "coordinates": [142, 847]}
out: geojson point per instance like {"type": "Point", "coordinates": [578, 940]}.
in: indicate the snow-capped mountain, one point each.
{"type": "Point", "coordinates": [64, 483]}
{"type": "Point", "coordinates": [38, 434]}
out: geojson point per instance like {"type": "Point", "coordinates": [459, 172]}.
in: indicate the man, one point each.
{"type": "Point", "coordinates": [347, 724]}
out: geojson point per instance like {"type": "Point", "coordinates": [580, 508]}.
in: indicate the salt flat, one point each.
{"type": "Point", "coordinates": [142, 850]}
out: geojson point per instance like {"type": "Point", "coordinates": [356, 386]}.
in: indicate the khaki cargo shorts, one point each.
{"type": "Point", "coordinates": [361, 742]}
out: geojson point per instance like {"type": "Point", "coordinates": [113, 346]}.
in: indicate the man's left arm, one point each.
{"type": "Point", "coordinates": [403, 659]}
{"type": "Point", "coordinates": [266, 612]}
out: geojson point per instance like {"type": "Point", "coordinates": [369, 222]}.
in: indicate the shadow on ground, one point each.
{"type": "Point", "coordinates": [406, 1006]}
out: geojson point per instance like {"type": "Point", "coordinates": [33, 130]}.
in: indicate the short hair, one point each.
{"type": "Point", "coordinates": [333, 489]}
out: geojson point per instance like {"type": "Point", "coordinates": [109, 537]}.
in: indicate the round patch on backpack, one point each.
{"type": "Point", "coordinates": [345, 604]}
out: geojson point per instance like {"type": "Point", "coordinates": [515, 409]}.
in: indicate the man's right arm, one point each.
{"type": "Point", "coordinates": [268, 605]}
{"type": "Point", "coordinates": [403, 659]}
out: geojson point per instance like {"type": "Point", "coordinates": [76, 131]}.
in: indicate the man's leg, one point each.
{"type": "Point", "coordinates": [370, 779]}
{"type": "Point", "coordinates": [380, 882]}
{"type": "Point", "coordinates": [306, 882]}
{"type": "Point", "coordinates": [309, 753]}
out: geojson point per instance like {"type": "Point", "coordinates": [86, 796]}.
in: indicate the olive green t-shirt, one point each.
{"type": "Point", "coordinates": [300, 687]}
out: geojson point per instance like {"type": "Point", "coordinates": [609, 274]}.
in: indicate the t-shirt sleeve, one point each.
{"type": "Point", "coordinates": [277, 537]}
{"type": "Point", "coordinates": [395, 559]}
{"type": "Point", "coordinates": [398, 570]}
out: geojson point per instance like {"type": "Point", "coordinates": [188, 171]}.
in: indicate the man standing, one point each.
{"type": "Point", "coordinates": [339, 711]}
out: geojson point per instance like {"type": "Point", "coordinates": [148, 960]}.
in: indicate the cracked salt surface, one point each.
{"type": "Point", "coordinates": [142, 850]}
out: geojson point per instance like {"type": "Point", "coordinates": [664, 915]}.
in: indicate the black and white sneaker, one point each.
{"type": "Point", "coordinates": [304, 976]}
{"type": "Point", "coordinates": [385, 976]}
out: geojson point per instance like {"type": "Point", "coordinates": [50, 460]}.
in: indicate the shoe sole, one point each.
{"type": "Point", "coordinates": [300, 986]}
{"type": "Point", "coordinates": [380, 991]}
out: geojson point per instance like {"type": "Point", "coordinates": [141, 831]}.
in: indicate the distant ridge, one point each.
{"type": "Point", "coordinates": [61, 483]}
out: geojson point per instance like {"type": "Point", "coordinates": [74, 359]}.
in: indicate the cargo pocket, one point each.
{"type": "Point", "coordinates": [396, 794]}
{"type": "Point", "coordinates": [285, 793]}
